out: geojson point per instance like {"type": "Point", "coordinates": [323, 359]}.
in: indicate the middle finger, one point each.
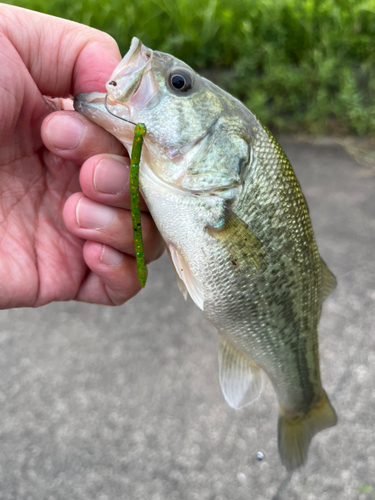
{"type": "Point", "coordinates": [110, 225]}
{"type": "Point", "coordinates": [105, 178]}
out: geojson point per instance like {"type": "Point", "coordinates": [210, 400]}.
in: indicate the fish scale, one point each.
{"type": "Point", "coordinates": [226, 200]}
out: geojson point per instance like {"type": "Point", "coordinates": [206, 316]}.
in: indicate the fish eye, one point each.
{"type": "Point", "coordinates": [180, 80]}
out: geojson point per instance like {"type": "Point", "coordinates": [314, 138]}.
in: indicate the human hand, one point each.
{"type": "Point", "coordinates": [41, 258]}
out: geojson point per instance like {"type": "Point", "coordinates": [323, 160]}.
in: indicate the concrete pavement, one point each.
{"type": "Point", "coordinates": [99, 403]}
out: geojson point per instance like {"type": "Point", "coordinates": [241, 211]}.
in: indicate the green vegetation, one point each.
{"type": "Point", "coordinates": [364, 489]}
{"type": "Point", "coordinates": [300, 65]}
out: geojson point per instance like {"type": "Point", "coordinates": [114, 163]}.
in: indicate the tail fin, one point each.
{"type": "Point", "coordinates": [296, 432]}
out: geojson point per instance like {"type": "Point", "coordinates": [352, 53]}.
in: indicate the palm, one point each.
{"type": "Point", "coordinates": [41, 260]}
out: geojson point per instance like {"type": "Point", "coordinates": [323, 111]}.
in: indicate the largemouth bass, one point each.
{"type": "Point", "coordinates": [237, 228]}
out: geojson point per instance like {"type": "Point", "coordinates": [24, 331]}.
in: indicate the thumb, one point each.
{"type": "Point", "coordinates": [64, 58]}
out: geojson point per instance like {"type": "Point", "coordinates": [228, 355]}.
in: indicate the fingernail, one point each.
{"type": "Point", "coordinates": [91, 215]}
{"type": "Point", "coordinates": [111, 176]}
{"type": "Point", "coordinates": [110, 256]}
{"type": "Point", "coordinates": [64, 132]}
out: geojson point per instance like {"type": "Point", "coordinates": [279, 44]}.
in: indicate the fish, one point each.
{"type": "Point", "coordinates": [236, 225]}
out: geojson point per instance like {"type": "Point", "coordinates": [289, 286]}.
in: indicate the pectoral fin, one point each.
{"type": "Point", "coordinates": [244, 247]}
{"type": "Point", "coordinates": [187, 282]}
{"type": "Point", "coordinates": [241, 379]}
{"type": "Point", "coordinates": [328, 280]}
{"type": "Point", "coordinates": [180, 283]}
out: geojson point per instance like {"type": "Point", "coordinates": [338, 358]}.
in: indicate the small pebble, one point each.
{"type": "Point", "coordinates": [241, 477]}
{"type": "Point", "coordinates": [260, 456]}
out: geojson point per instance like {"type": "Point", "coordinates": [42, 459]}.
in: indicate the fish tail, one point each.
{"type": "Point", "coordinates": [296, 431]}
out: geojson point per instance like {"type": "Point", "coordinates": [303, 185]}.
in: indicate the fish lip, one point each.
{"type": "Point", "coordinates": [127, 76]}
{"type": "Point", "coordinates": [134, 46]}
{"type": "Point", "coordinates": [89, 98]}
{"type": "Point", "coordinates": [89, 104]}
{"type": "Point", "coordinates": [92, 106]}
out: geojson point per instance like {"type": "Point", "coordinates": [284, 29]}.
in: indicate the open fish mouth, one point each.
{"type": "Point", "coordinates": [131, 88]}
{"type": "Point", "coordinates": [127, 76]}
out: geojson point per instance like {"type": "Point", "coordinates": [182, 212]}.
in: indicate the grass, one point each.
{"type": "Point", "coordinates": [364, 489]}
{"type": "Point", "coordinates": [300, 65]}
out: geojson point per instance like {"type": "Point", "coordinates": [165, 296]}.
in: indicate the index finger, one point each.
{"type": "Point", "coordinates": [64, 58]}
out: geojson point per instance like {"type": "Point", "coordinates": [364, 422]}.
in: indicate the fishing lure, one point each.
{"type": "Point", "coordinates": [139, 134]}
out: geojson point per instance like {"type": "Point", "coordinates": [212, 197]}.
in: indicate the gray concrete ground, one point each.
{"type": "Point", "coordinates": [101, 403]}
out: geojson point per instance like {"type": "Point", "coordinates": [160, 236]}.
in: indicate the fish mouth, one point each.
{"type": "Point", "coordinates": [124, 81]}
{"type": "Point", "coordinates": [131, 88]}
{"type": "Point", "coordinates": [127, 76]}
{"type": "Point", "coordinates": [90, 105]}
{"type": "Point", "coordinates": [93, 107]}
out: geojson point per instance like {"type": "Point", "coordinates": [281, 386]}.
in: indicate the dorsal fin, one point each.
{"type": "Point", "coordinates": [241, 379]}
{"type": "Point", "coordinates": [328, 280]}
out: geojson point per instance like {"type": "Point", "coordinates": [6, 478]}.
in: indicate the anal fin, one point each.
{"type": "Point", "coordinates": [241, 379]}
{"type": "Point", "coordinates": [328, 280]}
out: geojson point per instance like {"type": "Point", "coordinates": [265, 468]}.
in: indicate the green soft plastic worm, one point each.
{"type": "Point", "coordinates": [139, 134]}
